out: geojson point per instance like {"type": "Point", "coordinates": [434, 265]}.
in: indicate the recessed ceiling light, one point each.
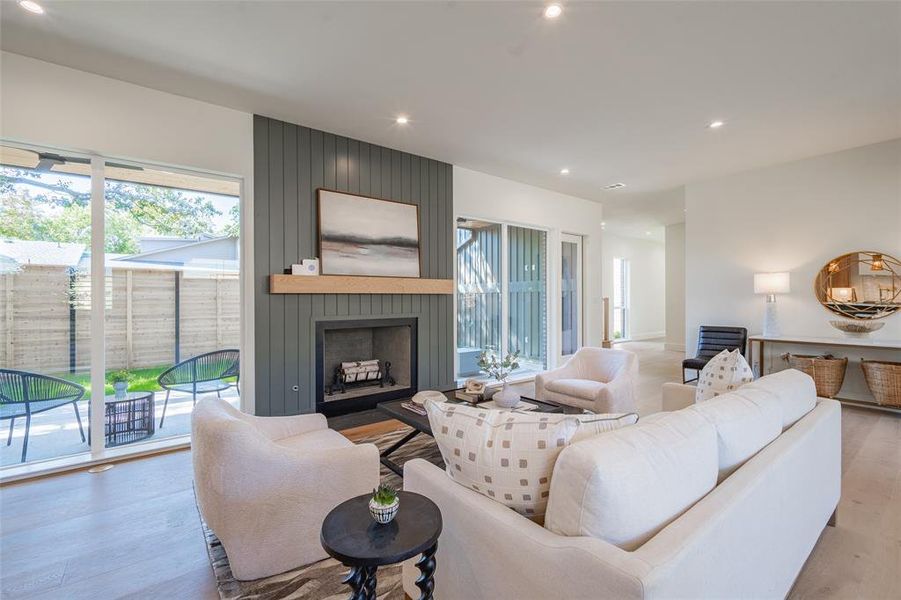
{"type": "Point", "coordinates": [647, 233]}
{"type": "Point", "coordinates": [32, 6]}
{"type": "Point", "coordinates": [552, 11]}
{"type": "Point", "coordinates": [614, 186]}
{"type": "Point", "coordinates": [402, 120]}
{"type": "Point", "coordinates": [715, 124]}
{"type": "Point", "coordinates": [564, 171]}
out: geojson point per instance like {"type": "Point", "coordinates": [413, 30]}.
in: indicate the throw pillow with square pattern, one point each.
{"type": "Point", "coordinates": [509, 456]}
{"type": "Point", "coordinates": [725, 372]}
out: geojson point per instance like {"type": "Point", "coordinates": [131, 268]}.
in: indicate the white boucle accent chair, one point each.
{"type": "Point", "coordinates": [600, 380]}
{"type": "Point", "coordinates": [265, 484]}
{"type": "Point", "coordinates": [723, 499]}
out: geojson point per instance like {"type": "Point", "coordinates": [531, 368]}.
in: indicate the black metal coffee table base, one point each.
{"type": "Point", "coordinates": [383, 457]}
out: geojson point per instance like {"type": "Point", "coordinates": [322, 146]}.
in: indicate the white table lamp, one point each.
{"type": "Point", "coordinates": [771, 284]}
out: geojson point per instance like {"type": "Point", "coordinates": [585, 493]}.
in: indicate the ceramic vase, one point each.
{"type": "Point", "coordinates": [506, 397]}
{"type": "Point", "coordinates": [121, 388]}
{"type": "Point", "coordinates": [383, 513]}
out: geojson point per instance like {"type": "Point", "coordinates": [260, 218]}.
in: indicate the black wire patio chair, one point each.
{"type": "Point", "coordinates": [201, 374]}
{"type": "Point", "coordinates": [23, 394]}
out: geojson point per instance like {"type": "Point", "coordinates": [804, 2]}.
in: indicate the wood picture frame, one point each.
{"type": "Point", "coordinates": [361, 235]}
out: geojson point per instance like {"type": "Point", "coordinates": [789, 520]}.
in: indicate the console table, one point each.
{"type": "Point", "coordinates": [825, 343]}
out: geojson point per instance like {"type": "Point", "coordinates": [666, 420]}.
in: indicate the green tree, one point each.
{"type": "Point", "coordinates": [165, 211]}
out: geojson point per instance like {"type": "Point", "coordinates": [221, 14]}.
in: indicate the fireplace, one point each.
{"type": "Point", "coordinates": [361, 362]}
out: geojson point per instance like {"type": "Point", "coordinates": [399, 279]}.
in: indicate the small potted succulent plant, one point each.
{"type": "Point", "coordinates": [384, 503]}
{"type": "Point", "coordinates": [500, 369]}
{"type": "Point", "coordinates": [119, 379]}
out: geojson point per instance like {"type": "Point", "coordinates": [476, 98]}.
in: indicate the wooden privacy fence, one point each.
{"type": "Point", "coordinates": [154, 317]}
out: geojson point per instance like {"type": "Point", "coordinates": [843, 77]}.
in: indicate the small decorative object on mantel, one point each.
{"type": "Point", "coordinates": [308, 266]}
{"type": "Point", "coordinates": [857, 329]}
{"type": "Point", "coordinates": [384, 504]}
{"type": "Point", "coordinates": [500, 369]}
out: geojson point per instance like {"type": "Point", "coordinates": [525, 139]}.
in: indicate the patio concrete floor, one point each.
{"type": "Point", "coordinates": [55, 433]}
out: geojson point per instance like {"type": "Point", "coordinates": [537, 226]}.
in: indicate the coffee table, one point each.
{"type": "Point", "coordinates": [420, 423]}
{"type": "Point", "coordinates": [350, 534]}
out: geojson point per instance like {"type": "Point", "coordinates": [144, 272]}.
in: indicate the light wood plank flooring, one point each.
{"type": "Point", "coordinates": [133, 531]}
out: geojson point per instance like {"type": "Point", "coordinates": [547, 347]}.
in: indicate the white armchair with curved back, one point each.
{"type": "Point", "coordinates": [265, 484]}
{"type": "Point", "coordinates": [600, 380]}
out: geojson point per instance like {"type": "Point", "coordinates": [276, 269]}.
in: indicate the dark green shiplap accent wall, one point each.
{"type": "Point", "coordinates": [290, 163]}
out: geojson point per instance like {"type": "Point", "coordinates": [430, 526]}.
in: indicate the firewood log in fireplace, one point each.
{"type": "Point", "coordinates": [361, 373]}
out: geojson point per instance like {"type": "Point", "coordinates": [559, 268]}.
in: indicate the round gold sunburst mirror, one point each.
{"type": "Point", "coordinates": [860, 285]}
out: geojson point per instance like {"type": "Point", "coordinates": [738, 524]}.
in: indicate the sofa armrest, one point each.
{"type": "Point", "coordinates": [482, 538]}
{"type": "Point", "coordinates": [276, 428]}
{"type": "Point", "coordinates": [677, 396]}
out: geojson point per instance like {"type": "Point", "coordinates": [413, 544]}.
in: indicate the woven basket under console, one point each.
{"type": "Point", "coordinates": [827, 371]}
{"type": "Point", "coordinates": [884, 380]}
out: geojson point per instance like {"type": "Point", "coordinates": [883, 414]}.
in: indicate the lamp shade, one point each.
{"type": "Point", "coordinates": [771, 283]}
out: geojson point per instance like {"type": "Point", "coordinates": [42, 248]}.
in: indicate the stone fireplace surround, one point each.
{"type": "Point", "coordinates": [386, 339]}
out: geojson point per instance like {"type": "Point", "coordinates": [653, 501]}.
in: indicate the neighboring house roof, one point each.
{"type": "Point", "coordinates": [185, 248]}
{"type": "Point", "coordinates": [45, 254]}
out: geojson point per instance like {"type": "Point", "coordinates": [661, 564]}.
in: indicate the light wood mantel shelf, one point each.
{"type": "Point", "coordinates": [346, 284]}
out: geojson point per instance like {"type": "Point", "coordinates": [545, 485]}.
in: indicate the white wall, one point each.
{"type": "Point", "coordinates": [49, 105]}
{"type": "Point", "coordinates": [675, 287]}
{"type": "Point", "coordinates": [482, 196]}
{"type": "Point", "coordinates": [791, 217]}
{"type": "Point", "coordinates": [648, 282]}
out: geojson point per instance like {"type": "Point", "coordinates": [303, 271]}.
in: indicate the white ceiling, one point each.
{"type": "Point", "coordinates": [615, 91]}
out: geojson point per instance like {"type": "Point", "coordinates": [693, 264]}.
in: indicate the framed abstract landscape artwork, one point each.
{"type": "Point", "coordinates": [359, 235]}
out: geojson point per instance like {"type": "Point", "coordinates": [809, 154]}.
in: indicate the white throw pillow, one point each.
{"type": "Point", "coordinates": [626, 485]}
{"type": "Point", "coordinates": [724, 372]}
{"type": "Point", "coordinates": [509, 456]}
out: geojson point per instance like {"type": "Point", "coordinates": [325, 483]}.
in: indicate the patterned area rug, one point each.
{"type": "Point", "coordinates": [322, 580]}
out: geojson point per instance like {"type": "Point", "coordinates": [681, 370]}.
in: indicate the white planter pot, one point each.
{"type": "Point", "coordinates": [506, 397]}
{"type": "Point", "coordinates": [383, 513]}
{"type": "Point", "coordinates": [121, 388]}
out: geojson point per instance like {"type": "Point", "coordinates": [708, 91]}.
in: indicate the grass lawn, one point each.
{"type": "Point", "coordinates": [141, 380]}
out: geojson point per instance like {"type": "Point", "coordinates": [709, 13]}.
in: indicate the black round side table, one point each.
{"type": "Point", "coordinates": [350, 535]}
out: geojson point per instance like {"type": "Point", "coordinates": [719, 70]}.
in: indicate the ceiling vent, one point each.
{"type": "Point", "coordinates": [614, 186]}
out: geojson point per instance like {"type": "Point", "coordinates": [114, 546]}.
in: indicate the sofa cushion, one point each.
{"type": "Point", "coordinates": [626, 485]}
{"type": "Point", "coordinates": [795, 391]}
{"type": "Point", "coordinates": [321, 439]}
{"type": "Point", "coordinates": [725, 372]}
{"type": "Point", "coordinates": [581, 388]}
{"type": "Point", "coordinates": [746, 420]}
{"type": "Point", "coordinates": [509, 455]}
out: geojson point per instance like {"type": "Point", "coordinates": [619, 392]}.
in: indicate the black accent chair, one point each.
{"type": "Point", "coordinates": [201, 374]}
{"type": "Point", "coordinates": [711, 341]}
{"type": "Point", "coordinates": [23, 394]}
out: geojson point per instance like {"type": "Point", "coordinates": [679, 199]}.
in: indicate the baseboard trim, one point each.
{"type": "Point", "coordinates": [674, 347]}
{"type": "Point", "coordinates": [647, 336]}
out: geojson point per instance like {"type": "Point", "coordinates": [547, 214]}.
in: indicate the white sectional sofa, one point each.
{"type": "Point", "coordinates": [724, 499]}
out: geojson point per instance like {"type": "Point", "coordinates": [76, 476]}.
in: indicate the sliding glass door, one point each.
{"type": "Point", "coordinates": [527, 296]}
{"type": "Point", "coordinates": [45, 291]}
{"type": "Point", "coordinates": [114, 278]}
{"type": "Point", "coordinates": [501, 293]}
